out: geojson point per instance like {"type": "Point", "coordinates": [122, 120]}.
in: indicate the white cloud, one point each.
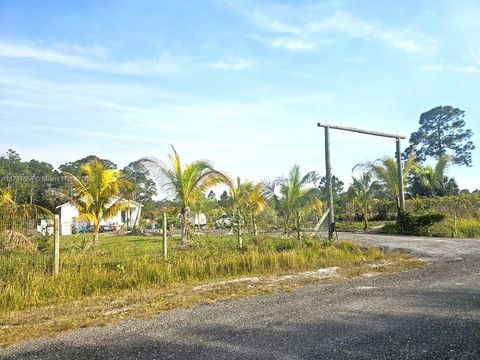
{"type": "Point", "coordinates": [265, 19]}
{"type": "Point", "coordinates": [463, 69]}
{"type": "Point", "coordinates": [232, 64]}
{"type": "Point", "coordinates": [475, 56]}
{"type": "Point", "coordinates": [36, 53]}
{"type": "Point", "coordinates": [432, 67]}
{"type": "Point", "coordinates": [300, 29]}
{"type": "Point", "coordinates": [467, 69]}
{"type": "Point", "coordinates": [153, 66]}
{"type": "Point", "coordinates": [96, 59]}
{"type": "Point", "coordinates": [293, 44]}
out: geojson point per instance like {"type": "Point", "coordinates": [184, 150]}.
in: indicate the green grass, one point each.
{"type": "Point", "coordinates": [469, 228]}
{"type": "Point", "coordinates": [465, 228]}
{"type": "Point", "coordinates": [121, 262]}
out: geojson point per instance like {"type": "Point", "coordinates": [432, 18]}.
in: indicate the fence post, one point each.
{"type": "Point", "coordinates": [165, 256]}
{"type": "Point", "coordinates": [56, 244]}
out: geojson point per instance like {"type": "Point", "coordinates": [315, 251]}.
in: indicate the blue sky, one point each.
{"type": "Point", "coordinates": [241, 83]}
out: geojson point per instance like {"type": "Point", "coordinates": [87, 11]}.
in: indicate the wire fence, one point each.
{"type": "Point", "coordinates": [32, 242]}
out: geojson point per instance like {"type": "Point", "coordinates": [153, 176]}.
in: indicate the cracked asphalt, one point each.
{"type": "Point", "coordinates": [431, 312]}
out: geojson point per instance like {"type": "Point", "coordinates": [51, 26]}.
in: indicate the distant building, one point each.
{"type": "Point", "coordinates": [69, 223]}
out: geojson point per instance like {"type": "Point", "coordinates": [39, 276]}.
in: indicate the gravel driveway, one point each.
{"type": "Point", "coordinates": [430, 312]}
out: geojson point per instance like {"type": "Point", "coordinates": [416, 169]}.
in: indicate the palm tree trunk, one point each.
{"type": "Point", "coordinates": [299, 234]}
{"type": "Point", "coordinates": [185, 224]}
{"type": "Point", "coordinates": [96, 231]}
{"type": "Point", "coordinates": [254, 225]}
{"type": "Point", "coordinates": [135, 224]}
{"type": "Point", "coordinates": [285, 229]}
{"type": "Point", "coordinates": [365, 220]}
{"type": "Point", "coordinates": [239, 231]}
{"type": "Point", "coordinates": [32, 186]}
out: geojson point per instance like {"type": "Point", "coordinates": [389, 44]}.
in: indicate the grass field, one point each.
{"type": "Point", "coordinates": [125, 269]}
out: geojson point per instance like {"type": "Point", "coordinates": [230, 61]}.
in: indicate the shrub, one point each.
{"type": "Point", "coordinates": [418, 224]}
{"type": "Point", "coordinates": [464, 206]}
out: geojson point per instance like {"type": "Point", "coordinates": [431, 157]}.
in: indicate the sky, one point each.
{"type": "Point", "coordinates": [240, 83]}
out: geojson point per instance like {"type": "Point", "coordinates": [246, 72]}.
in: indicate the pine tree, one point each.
{"type": "Point", "coordinates": [442, 132]}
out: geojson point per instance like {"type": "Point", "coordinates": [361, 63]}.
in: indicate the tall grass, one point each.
{"type": "Point", "coordinates": [26, 280]}
{"type": "Point", "coordinates": [468, 228]}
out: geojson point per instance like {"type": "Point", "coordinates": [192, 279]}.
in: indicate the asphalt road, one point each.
{"type": "Point", "coordinates": [428, 313]}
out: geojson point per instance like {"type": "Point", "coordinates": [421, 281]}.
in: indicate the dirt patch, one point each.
{"type": "Point", "coordinates": [316, 274]}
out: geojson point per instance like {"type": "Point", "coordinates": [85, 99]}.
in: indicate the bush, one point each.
{"type": "Point", "coordinates": [465, 206]}
{"type": "Point", "coordinates": [418, 224]}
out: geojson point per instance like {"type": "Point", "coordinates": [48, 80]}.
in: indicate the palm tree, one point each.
{"type": "Point", "coordinates": [239, 194]}
{"type": "Point", "coordinates": [296, 198]}
{"type": "Point", "coordinates": [94, 194]}
{"type": "Point", "coordinates": [257, 203]}
{"type": "Point", "coordinates": [248, 202]}
{"type": "Point", "coordinates": [362, 193]}
{"type": "Point", "coordinates": [13, 217]}
{"type": "Point", "coordinates": [184, 182]}
{"type": "Point", "coordinates": [385, 171]}
{"type": "Point", "coordinates": [434, 178]}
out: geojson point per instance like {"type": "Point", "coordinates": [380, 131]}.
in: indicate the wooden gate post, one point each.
{"type": "Point", "coordinates": [328, 168]}
{"type": "Point", "coordinates": [401, 184]}
{"type": "Point", "coordinates": [56, 244]}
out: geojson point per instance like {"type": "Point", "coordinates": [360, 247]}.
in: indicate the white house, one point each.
{"type": "Point", "coordinates": [69, 214]}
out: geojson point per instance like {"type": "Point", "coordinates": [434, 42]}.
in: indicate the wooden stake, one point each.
{"type": "Point", "coordinates": [165, 255]}
{"type": "Point", "coordinates": [56, 244]}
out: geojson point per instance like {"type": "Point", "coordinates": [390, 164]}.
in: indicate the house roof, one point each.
{"type": "Point", "coordinates": [116, 198]}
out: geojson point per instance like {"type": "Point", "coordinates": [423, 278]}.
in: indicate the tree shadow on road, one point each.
{"type": "Point", "coordinates": [365, 336]}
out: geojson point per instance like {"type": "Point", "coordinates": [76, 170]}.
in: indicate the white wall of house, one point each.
{"type": "Point", "coordinates": [68, 214]}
